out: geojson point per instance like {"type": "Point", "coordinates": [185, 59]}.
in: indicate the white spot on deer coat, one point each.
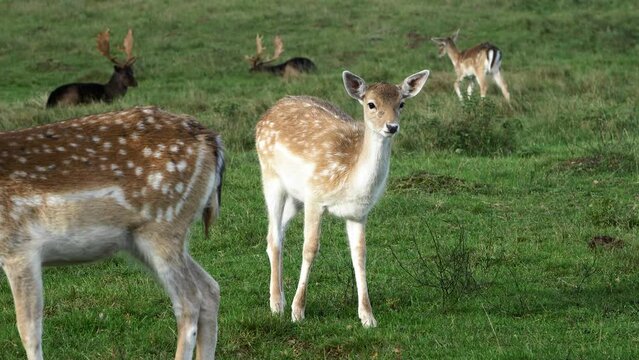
{"type": "Point", "coordinates": [155, 180]}
{"type": "Point", "coordinates": [181, 166]}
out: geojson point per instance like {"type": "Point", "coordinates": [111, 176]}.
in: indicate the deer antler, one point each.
{"type": "Point", "coordinates": [258, 58]}
{"type": "Point", "coordinates": [279, 47]}
{"type": "Point", "coordinates": [259, 49]}
{"type": "Point", "coordinates": [103, 45]}
{"type": "Point", "coordinates": [128, 47]}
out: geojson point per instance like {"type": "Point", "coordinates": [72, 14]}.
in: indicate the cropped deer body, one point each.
{"type": "Point", "coordinates": [314, 156]}
{"type": "Point", "coordinates": [290, 68]}
{"type": "Point", "coordinates": [121, 79]}
{"type": "Point", "coordinates": [478, 62]}
{"type": "Point", "coordinates": [83, 189]}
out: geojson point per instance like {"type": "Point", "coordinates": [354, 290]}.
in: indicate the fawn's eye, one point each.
{"type": "Point", "coordinates": [401, 105]}
{"type": "Point", "coordinates": [371, 105]}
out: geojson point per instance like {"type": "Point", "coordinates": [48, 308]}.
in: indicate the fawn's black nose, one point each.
{"type": "Point", "coordinates": [392, 128]}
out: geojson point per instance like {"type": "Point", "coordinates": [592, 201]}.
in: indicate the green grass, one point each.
{"type": "Point", "coordinates": [534, 185]}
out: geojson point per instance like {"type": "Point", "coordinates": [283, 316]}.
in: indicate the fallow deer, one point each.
{"type": "Point", "coordinates": [290, 68]}
{"type": "Point", "coordinates": [121, 79]}
{"type": "Point", "coordinates": [478, 62]}
{"type": "Point", "coordinates": [314, 156]}
{"type": "Point", "coordinates": [83, 189]}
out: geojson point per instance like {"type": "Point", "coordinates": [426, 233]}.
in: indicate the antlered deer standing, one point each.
{"type": "Point", "coordinates": [122, 78]}
{"type": "Point", "coordinates": [290, 68]}
{"type": "Point", "coordinates": [313, 155]}
{"type": "Point", "coordinates": [478, 61]}
{"type": "Point", "coordinates": [83, 189]}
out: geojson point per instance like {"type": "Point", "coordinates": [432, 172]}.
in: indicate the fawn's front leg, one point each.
{"type": "Point", "coordinates": [357, 242]}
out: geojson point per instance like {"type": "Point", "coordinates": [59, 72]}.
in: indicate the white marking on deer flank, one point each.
{"type": "Point", "coordinates": [181, 166]}
{"type": "Point", "coordinates": [112, 192]}
{"type": "Point", "coordinates": [170, 166]}
{"type": "Point", "coordinates": [17, 174]}
{"type": "Point", "coordinates": [122, 140]}
{"type": "Point", "coordinates": [194, 176]}
{"type": "Point", "coordinates": [168, 215]}
{"type": "Point", "coordinates": [138, 171]}
{"type": "Point", "coordinates": [95, 139]}
{"type": "Point", "coordinates": [147, 151]}
{"type": "Point", "coordinates": [155, 180]}
{"type": "Point", "coordinates": [146, 210]}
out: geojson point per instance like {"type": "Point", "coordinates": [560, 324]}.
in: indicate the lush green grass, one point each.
{"type": "Point", "coordinates": [561, 167]}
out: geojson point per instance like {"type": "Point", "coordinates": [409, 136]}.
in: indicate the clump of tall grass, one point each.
{"type": "Point", "coordinates": [477, 127]}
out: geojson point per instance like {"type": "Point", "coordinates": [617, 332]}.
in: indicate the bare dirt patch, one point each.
{"type": "Point", "coordinates": [605, 242]}
{"type": "Point", "coordinates": [603, 162]}
{"type": "Point", "coordinates": [435, 183]}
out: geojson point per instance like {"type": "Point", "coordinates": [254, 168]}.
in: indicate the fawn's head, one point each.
{"type": "Point", "coordinates": [122, 70]}
{"type": "Point", "coordinates": [258, 60]}
{"type": "Point", "coordinates": [444, 42]}
{"type": "Point", "coordinates": [383, 102]}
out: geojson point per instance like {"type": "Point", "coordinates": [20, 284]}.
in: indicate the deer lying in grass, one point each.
{"type": "Point", "coordinates": [83, 189]}
{"type": "Point", "coordinates": [84, 93]}
{"type": "Point", "coordinates": [313, 155]}
{"type": "Point", "coordinates": [478, 61]}
{"type": "Point", "coordinates": [290, 68]}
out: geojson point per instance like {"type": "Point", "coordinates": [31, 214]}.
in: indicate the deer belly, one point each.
{"type": "Point", "coordinates": [293, 172]}
{"type": "Point", "coordinates": [79, 244]}
{"type": "Point", "coordinates": [355, 209]}
{"type": "Point", "coordinates": [74, 227]}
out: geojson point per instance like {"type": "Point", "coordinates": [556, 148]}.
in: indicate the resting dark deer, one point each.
{"type": "Point", "coordinates": [84, 93]}
{"type": "Point", "coordinates": [289, 68]}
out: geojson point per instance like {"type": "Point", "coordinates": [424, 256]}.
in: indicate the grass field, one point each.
{"type": "Point", "coordinates": [478, 250]}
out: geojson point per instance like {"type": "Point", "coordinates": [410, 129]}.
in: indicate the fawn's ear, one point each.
{"type": "Point", "coordinates": [455, 36]}
{"type": "Point", "coordinates": [355, 85]}
{"type": "Point", "coordinates": [413, 84]}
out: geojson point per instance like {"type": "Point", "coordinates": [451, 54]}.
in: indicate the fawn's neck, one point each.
{"type": "Point", "coordinates": [371, 169]}
{"type": "Point", "coordinates": [453, 54]}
